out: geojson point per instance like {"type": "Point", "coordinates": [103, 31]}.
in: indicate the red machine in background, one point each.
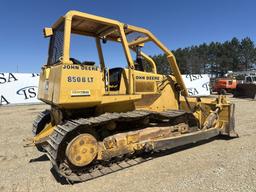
{"type": "Point", "coordinates": [224, 85]}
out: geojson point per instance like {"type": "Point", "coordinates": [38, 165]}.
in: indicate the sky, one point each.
{"type": "Point", "coordinates": [177, 23]}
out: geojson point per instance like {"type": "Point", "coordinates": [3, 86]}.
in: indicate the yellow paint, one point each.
{"type": "Point", "coordinates": [48, 130]}
{"type": "Point", "coordinates": [82, 150]}
{"type": "Point", "coordinates": [71, 86]}
{"type": "Point", "coordinates": [48, 32]}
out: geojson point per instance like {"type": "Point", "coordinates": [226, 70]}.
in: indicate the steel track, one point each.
{"type": "Point", "coordinates": [96, 169]}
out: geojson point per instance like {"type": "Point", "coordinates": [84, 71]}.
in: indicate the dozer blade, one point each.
{"type": "Point", "coordinates": [232, 133]}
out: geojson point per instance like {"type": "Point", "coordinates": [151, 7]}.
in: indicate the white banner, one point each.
{"type": "Point", "coordinates": [18, 88]}
{"type": "Point", "coordinates": [197, 84]}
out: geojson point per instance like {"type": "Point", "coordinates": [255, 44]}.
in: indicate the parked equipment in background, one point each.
{"type": "Point", "coordinates": [224, 85]}
{"type": "Point", "coordinates": [246, 88]}
{"type": "Point", "coordinates": [102, 120]}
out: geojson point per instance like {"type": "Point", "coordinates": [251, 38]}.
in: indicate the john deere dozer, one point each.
{"type": "Point", "coordinates": [102, 120]}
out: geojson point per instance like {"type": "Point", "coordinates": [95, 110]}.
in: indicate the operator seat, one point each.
{"type": "Point", "coordinates": [115, 78]}
{"type": "Point", "coordinates": [75, 61]}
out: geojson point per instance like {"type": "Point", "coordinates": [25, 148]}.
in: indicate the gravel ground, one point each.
{"type": "Point", "coordinates": [217, 165]}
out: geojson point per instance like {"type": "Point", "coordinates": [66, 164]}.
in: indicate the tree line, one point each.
{"type": "Point", "coordinates": [213, 58]}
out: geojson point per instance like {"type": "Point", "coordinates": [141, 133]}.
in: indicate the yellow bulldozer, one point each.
{"type": "Point", "coordinates": [105, 119]}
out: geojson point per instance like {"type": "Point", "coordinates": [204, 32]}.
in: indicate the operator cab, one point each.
{"type": "Point", "coordinates": [135, 77]}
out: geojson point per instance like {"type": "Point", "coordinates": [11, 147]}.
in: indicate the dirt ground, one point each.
{"type": "Point", "coordinates": [217, 165]}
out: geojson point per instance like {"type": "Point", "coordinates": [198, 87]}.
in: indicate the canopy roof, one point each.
{"type": "Point", "coordinates": [92, 25]}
